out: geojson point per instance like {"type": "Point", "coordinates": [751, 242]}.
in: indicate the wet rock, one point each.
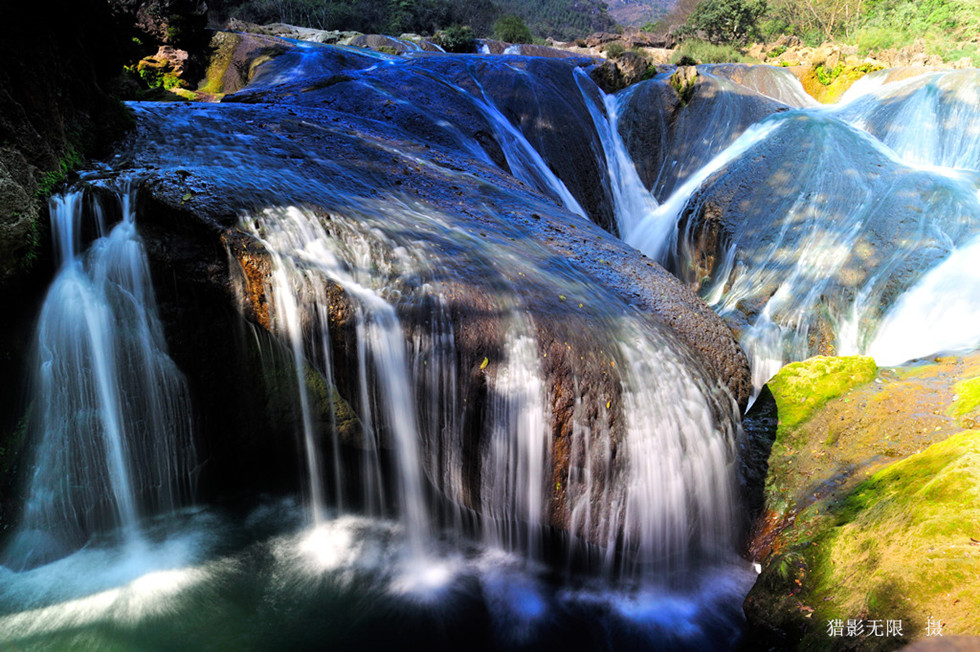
{"type": "Point", "coordinates": [487, 237]}
{"type": "Point", "coordinates": [382, 43]}
{"type": "Point", "coordinates": [607, 76]}
{"type": "Point", "coordinates": [601, 38]}
{"type": "Point", "coordinates": [233, 60]}
{"type": "Point", "coordinates": [682, 81]}
{"type": "Point", "coordinates": [545, 103]}
{"type": "Point", "coordinates": [666, 136]}
{"type": "Point", "coordinates": [178, 23]}
{"type": "Point", "coordinates": [751, 206]}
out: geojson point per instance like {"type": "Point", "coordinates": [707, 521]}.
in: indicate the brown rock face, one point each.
{"type": "Point", "coordinates": [178, 23]}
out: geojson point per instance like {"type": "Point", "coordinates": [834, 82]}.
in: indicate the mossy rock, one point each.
{"type": "Point", "coordinates": [872, 503]}
{"type": "Point", "coordinates": [683, 81]}
{"type": "Point", "coordinates": [904, 545]}
{"type": "Point", "coordinates": [828, 85]}
{"type": "Point", "coordinates": [800, 388]}
{"type": "Point", "coordinates": [967, 398]}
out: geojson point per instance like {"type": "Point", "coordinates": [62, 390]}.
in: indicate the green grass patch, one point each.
{"type": "Point", "coordinates": [71, 160]}
{"type": "Point", "coordinates": [697, 51]}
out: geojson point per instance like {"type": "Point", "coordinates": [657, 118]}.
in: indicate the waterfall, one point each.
{"type": "Point", "coordinates": [931, 119]}
{"type": "Point", "coordinates": [632, 202]}
{"type": "Point", "coordinates": [524, 161]}
{"type": "Point", "coordinates": [110, 413]}
{"type": "Point", "coordinates": [494, 438]}
{"type": "Point", "coordinates": [660, 495]}
{"type": "Point", "coordinates": [517, 459]}
{"type": "Point", "coordinates": [313, 260]}
{"type": "Point", "coordinates": [804, 256]}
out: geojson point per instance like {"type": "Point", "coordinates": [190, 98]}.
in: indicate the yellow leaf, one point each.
{"type": "Point", "coordinates": [483, 365]}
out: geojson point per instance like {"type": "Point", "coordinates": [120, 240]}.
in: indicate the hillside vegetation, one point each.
{"type": "Point", "coordinates": [949, 28]}
{"type": "Point", "coordinates": [560, 19]}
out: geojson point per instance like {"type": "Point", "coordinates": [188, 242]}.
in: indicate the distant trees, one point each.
{"type": "Point", "coordinates": [456, 38]}
{"type": "Point", "coordinates": [511, 29]}
{"type": "Point", "coordinates": [726, 21]}
{"type": "Point", "coordinates": [369, 16]}
{"type": "Point", "coordinates": [562, 19]}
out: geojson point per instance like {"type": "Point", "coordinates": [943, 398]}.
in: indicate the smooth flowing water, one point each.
{"type": "Point", "coordinates": [528, 458]}
{"type": "Point", "coordinates": [110, 409]}
{"type": "Point", "coordinates": [837, 229]}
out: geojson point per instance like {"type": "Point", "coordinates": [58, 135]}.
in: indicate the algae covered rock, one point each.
{"type": "Point", "coordinates": [871, 505]}
{"type": "Point", "coordinates": [828, 81]}
{"type": "Point", "coordinates": [802, 387]}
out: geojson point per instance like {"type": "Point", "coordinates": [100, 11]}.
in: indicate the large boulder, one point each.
{"type": "Point", "coordinates": [471, 104]}
{"type": "Point", "coordinates": [800, 252]}
{"type": "Point", "coordinates": [670, 136]}
{"type": "Point", "coordinates": [511, 273]}
{"type": "Point", "coordinates": [178, 23]}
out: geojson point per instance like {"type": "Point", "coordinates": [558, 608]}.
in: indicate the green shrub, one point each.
{"type": "Point", "coordinates": [512, 30]}
{"type": "Point", "coordinates": [726, 21]}
{"type": "Point", "coordinates": [71, 160]}
{"type": "Point", "coordinates": [694, 51]}
{"type": "Point", "coordinates": [458, 38]}
{"type": "Point", "coordinates": [827, 76]}
{"type": "Point", "coordinates": [776, 51]}
{"type": "Point", "coordinates": [615, 49]}
{"type": "Point", "coordinates": [969, 50]}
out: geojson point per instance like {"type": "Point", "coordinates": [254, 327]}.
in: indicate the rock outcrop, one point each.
{"type": "Point", "coordinates": [488, 237]}
{"type": "Point", "coordinates": [672, 127]}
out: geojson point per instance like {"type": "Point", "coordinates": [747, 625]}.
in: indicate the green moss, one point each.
{"type": "Point", "coordinates": [33, 241]}
{"type": "Point", "coordinates": [697, 51]}
{"type": "Point", "coordinates": [11, 444]}
{"type": "Point", "coordinates": [967, 397]}
{"type": "Point", "coordinates": [827, 85]}
{"type": "Point", "coordinates": [801, 387]}
{"type": "Point", "coordinates": [826, 76]}
{"type": "Point", "coordinates": [71, 160]}
{"type": "Point", "coordinates": [901, 545]}
{"type": "Point", "coordinates": [326, 400]}
{"type": "Point", "coordinates": [683, 85]}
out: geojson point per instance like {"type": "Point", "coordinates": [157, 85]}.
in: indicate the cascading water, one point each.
{"type": "Point", "coordinates": [524, 161]}
{"type": "Point", "coordinates": [931, 119]}
{"type": "Point", "coordinates": [511, 398]}
{"type": "Point", "coordinates": [783, 238]}
{"type": "Point", "coordinates": [291, 234]}
{"type": "Point", "coordinates": [110, 410]}
{"type": "Point", "coordinates": [516, 464]}
{"type": "Point", "coordinates": [633, 204]}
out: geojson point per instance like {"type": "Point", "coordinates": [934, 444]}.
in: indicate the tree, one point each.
{"type": "Point", "coordinates": [726, 21]}
{"type": "Point", "coordinates": [456, 38]}
{"type": "Point", "coordinates": [511, 29]}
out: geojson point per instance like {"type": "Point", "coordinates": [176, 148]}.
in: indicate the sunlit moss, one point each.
{"type": "Point", "coordinates": [967, 396]}
{"type": "Point", "coordinates": [801, 387]}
